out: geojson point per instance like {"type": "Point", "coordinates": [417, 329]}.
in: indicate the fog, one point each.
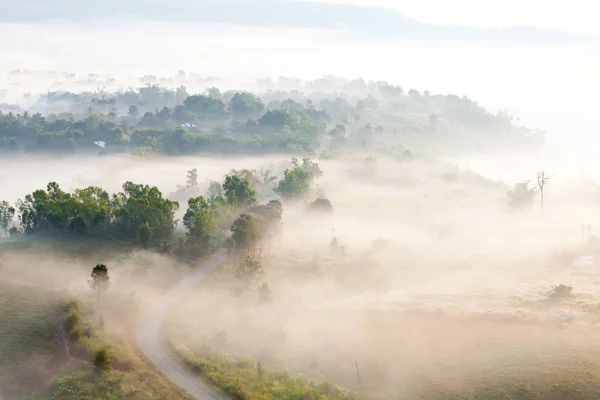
{"type": "Point", "coordinates": [547, 85]}
{"type": "Point", "coordinates": [459, 282]}
{"type": "Point", "coordinates": [457, 278]}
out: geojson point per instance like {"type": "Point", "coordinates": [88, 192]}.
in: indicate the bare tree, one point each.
{"type": "Point", "coordinates": [542, 179]}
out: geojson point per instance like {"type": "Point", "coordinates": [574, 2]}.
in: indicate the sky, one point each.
{"type": "Point", "coordinates": [574, 15]}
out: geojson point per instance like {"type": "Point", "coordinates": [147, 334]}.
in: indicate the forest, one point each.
{"type": "Point", "coordinates": [322, 117]}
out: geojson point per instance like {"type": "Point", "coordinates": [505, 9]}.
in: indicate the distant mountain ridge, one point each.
{"type": "Point", "coordinates": [365, 20]}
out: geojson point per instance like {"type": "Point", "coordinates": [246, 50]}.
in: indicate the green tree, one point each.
{"type": "Point", "coordinates": [246, 104]}
{"type": "Point", "coordinates": [245, 231]}
{"type": "Point", "coordinates": [238, 191]}
{"type": "Point", "coordinates": [99, 280]}
{"type": "Point", "coordinates": [296, 182]}
{"type": "Point", "coordinates": [200, 104]}
{"type": "Point", "coordinates": [269, 214]}
{"type": "Point", "coordinates": [7, 213]}
{"type": "Point", "coordinates": [139, 204]}
{"type": "Point", "coordinates": [200, 224]}
{"type": "Point", "coordinates": [92, 211]}
{"type": "Point", "coordinates": [144, 234]}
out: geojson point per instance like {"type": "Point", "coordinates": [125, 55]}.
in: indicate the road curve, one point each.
{"type": "Point", "coordinates": [149, 329]}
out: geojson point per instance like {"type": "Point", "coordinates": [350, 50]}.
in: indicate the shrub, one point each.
{"type": "Point", "coordinates": [321, 205]}
{"type": "Point", "coordinates": [73, 304]}
{"type": "Point", "coordinates": [75, 333]}
{"type": "Point", "coordinates": [102, 360]}
{"type": "Point", "coordinates": [72, 319]}
{"type": "Point", "coordinates": [560, 292]}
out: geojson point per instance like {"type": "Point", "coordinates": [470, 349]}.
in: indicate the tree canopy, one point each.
{"type": "Point", "coordinates": [245, 231]}
{"type": "Point", "coordinates": [238, 191]}
{"type": "Point", "coordinates": [296, 181]}
{"type": "Point", "coordinates": [292, 116]}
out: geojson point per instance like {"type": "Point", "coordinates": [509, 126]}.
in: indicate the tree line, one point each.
{"type": "Point", "coordinates": [141, 213]}
{"type": "Point", "coordinates": [157, 120]}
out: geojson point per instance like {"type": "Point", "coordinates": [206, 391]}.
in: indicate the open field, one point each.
{"type": "Point", "coordinates": [490, 340]}
{"type": "Point", "coordinates": [31, 351]}
{"type": "Point", "coordinates": [35, 363]}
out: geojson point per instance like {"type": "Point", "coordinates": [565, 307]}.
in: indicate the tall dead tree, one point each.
{"type": "Point", "coordinates": [542, 179]}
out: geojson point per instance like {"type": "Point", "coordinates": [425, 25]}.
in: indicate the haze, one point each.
{"type": "Point", "coordinates": [441, 274]}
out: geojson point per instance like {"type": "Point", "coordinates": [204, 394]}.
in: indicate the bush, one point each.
{"type": "Point", "coordinates": [321, 205]}
{"type": "Point", "coordinates": [560, 292]}
{"type": "Point", "coordinates": [73, 304]}
{"type": "Point", "coordinates": [75, 333]}
{"type": "Point", "coordinates": [72, 319]}
{"type": "Point", "coordinates": [102, 360]}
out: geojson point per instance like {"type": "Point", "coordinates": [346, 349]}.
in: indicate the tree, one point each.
{"type": "Point", "coordinates": [270, 213]}
{"type": "Point", "coordinates": [214, 189]}
{"type": "Point", "coordinates": [413, 93]}
{"type": "Point", "coordinates": [250, 175]}
{"type": "Point", "coordinates": [249, 269]}
{"type": "Point", "coordinates": [99, 280]}
{"type": "Point", "coordinates": [200, 224]}
{"type": "Point", "coordinates": [245, 231]}
{"type": "Point", "coordinates": [238, 191]}
{"type": "Point", "coordinates": [296, 182]}
{"type": "Point", "coordinates": [522, 195]}
{"type": "Point", "coordinates": [192, 178]}
{"type": "Point", "coordinates": [338, 135]}
{"type": "Point", "coordinates": [200, 104]}
{"type": "Point", "coordinates": [214, 93]}
{"type": "Point", "coordinates": [246, 104]}
{"type": "Point", "coordinates": [144, 234]}
{"type": "Point", "coordinates": [321, 205]}
{"type": "Point", "coordinates": [542, 179]}
{"type": "Point", "coordinates": [7, 213]}
{"type": "Point", "coordinates": [140, 204]}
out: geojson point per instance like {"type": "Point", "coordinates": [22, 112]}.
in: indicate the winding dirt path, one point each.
{"type": "Point", "coordinates": [149, 329]}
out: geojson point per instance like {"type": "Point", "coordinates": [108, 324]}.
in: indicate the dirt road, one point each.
{"type": "Point", "coordinates": [149, 330]}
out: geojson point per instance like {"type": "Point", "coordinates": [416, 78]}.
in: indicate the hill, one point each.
{"type": "Point", "coordinates": [365, 21]}
{"type": "Point", "coordinates": [327, 115]}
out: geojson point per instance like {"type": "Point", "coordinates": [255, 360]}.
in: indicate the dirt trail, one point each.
{"type": "Point", "coordinates": [149, 329]}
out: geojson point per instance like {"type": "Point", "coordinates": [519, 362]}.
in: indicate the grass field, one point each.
{"type": "Point", "coordinates": [30, 350]}
{"type": "Point", "coordinates": [241, 379]}
{"type": "Point", "coordinates": [33, 359]}
{"type": "Point", "coordinates": [34, 362]}
{"type": "Point", "coordinates": [499, 342]}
